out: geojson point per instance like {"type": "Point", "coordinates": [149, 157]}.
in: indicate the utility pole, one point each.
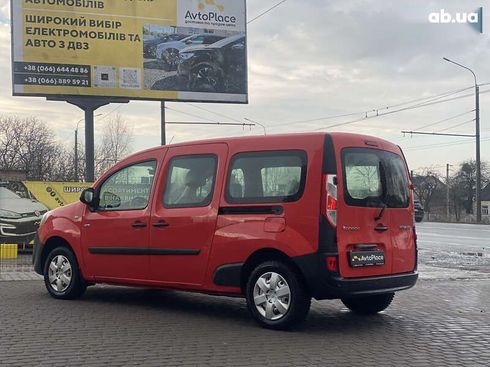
{"type": "Point", "coordinates": [163, 133]}
{"type": "Point", "coordinates": [447, 191]}
{"type": "Point", "coordinates": [478, 159]}
{"type": "Point", "coordinates": [477, 136]}
{"type": "Point", "coordinates": [75, 163]}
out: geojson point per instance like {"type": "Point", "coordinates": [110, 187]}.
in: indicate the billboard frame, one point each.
{"type": "Point", "coordinates": [66, 97]}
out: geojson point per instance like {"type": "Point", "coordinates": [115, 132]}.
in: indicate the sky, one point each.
{"type": "Point", "coordinates": [310, 60]}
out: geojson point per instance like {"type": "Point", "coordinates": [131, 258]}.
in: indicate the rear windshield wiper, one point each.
{"type": "Point", "coordinates": [381, 212]}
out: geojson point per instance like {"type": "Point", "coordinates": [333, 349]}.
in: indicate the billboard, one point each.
{"type": "Point", "coordinates": [176, 50]}
{"type": "Point", "coordinates": [24, 203]}
{"type": "Point", "coordinates": [56, 194]}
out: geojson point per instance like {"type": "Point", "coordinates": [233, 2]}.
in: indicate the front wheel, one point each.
{"type": "Point", "coordinates": [62, 275]}
{"type": "Point", "coordinates": [368, 305]}
{"type": "Point", "coordinates": [276, 296]}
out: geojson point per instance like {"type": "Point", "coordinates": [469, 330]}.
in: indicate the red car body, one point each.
{"type": "Point", "coordinates": [212, 248]}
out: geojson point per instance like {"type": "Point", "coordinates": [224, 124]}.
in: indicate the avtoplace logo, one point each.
{"type": "Point", "coordinates": [474, 19]}
{"type": "Point", "coordinates": [210, 12]}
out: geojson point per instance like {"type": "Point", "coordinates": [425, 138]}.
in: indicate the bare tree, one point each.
{"type": "Point", "coordinates": [425, 186]}
{"type": "Point", "coordinates": [28, 144]}
{"type": "Point", "coordinates": [115, 144]}
{"type": "Point", "coordinates": [464, 184]}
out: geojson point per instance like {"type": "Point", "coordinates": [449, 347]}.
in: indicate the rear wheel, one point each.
{"type": "Point", "coordinates": [276, 296]}
{"type": "Point", "coordinates": [368, 305]}
{"type": "Point", "coordinates": [62, 275]}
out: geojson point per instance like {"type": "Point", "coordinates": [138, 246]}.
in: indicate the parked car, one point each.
{"type": "Point", "coordinates": [168, 52]}
{"type": "Point", "coordinates": [19, 217]}
{"type": "Point", "coordinates": [419, 211]}
{"type": "Point", "coordinates": [275, 219]}
{"type": "Point", "coordinates": [220, 67]}
{"type": "Point", "coordinates": [150, 44]}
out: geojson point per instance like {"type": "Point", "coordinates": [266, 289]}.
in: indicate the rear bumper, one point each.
{"type": "Point", "coordinates": [326, 285]}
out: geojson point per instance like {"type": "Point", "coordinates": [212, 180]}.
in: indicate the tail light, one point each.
{"type": "Point", "coordinates": [329, 198]}
{"type": "Point", "coordinates": [332, 264]}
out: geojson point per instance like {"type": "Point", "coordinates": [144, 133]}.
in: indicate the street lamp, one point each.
{"type": "Point", "coordinates": [76, 148]}
{"type": "Point", "coordinates": [258, 123]}
{"type": "Point", "coordinates": [477, 135]}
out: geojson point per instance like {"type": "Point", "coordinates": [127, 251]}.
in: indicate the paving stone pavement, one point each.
{"type": "Point", "coordinates": [437, 323]}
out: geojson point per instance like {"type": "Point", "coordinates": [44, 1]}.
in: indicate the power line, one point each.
{"type": "Point", "coordinates": [442, 145]}
{"type": "Point", "coordinates": [243, 124]}
{"type": "Point", "coordinates": [215, 113]}
{"type": "Point", "coordinates": [377, 110]}
{"type": "Point", "coordinates": [110, 112]}
{"type": "Point", "coordinates": [189, 114]}
{"type": "Point", "coordinates": [265, 12]}
{"type": "Point", "coordinates": [458, 125]}
{"type": "Point", "coordinates": [444, 120]}
{"type": "Point", "coordinates": [420, 105]}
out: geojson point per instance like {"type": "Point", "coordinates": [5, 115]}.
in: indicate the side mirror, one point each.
{"type": "Point", "coordinates": [88, 197]}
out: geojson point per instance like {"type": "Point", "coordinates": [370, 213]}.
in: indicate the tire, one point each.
{"type": "Point", "coordinates": [419, 220]}
{"type": "Point", "coordinates": [62, 275]}
{"type": "Point", "coordinates": [368, 305]}
{"type": "Point", "coordinates": [284, 309]}
{"type": "Point", "coordinates": [206, 77]}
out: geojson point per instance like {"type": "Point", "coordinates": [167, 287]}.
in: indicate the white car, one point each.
{"type": "Point", "coordinates": [168, 52]}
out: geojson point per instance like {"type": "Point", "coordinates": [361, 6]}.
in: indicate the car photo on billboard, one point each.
{"type": "Point", "coordinates": [220, 67]}
{"type": "Point", "coordinates": [19, 217]}
{"type": "Point", "coordinates": [205, 61]}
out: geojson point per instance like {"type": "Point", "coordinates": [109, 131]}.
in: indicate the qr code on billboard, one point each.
{"type": "Point", "coordinates": [104, 76]}
{"type": "Point", "coordinates": [130, 78]}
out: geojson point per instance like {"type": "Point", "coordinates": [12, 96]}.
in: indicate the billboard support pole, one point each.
{"type": "Point", "coordinates": [163, 127]}
{"type": "Point", "coordinates": [89, 145]}
{"type": "Point", "coordinates": [89, 105]}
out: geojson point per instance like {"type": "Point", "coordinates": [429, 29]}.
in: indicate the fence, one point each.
{"type": "Point", "coordinates": [15, 262]}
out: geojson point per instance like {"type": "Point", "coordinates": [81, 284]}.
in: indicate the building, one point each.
{"type": "Point", "coordinates": [485, 202]}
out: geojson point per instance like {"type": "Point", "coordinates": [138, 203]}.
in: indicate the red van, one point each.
{"type": "Point", "coordinates": [276, 219]}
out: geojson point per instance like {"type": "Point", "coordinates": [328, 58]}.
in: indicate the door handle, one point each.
{"type": "Point", "coordinates": [380, 228]}
{"type": "Point", "coordinates": [160, 224]}
{"type": "Point", "coordinates": [138, 224]}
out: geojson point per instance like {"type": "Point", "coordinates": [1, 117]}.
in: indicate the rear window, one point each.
{"type": "Point", "coordinates": [374, 178]}
{"type": "Point", "coordinates": [267, 177]}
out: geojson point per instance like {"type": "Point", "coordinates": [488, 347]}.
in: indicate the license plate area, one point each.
{"type": "Point", "coordinates": [359, 259]}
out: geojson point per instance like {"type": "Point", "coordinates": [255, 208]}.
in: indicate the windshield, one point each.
{"type": "Point", "coordinates": [374, 178]}
{"type": "Point", "coordinates": [226, 41]}
{"type": "Point", "coordinates": [7, 194]}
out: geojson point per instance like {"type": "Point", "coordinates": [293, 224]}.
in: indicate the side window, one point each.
{"type": "Point", "coordinates": [190, 181]}
{"type": "Point", "coordinates": [267, 177]}
{"type": "Point", "coordinates": [128, 188]}
{"type": "Point", "coordinates": [198, 40]}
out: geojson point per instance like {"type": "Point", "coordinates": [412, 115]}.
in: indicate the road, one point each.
{"type": "Point", "coordinates": [442, 321]}
{"type": "Point", "coordinates": [453, 251]}
{"type": "Point", "coordinates": [437, 323]}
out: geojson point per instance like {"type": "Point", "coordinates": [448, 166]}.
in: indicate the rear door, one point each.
{"type": "Point", "coordinates": [185, 211]}
{"type": "Point", "coordinates": [402, 215]}
{"type": "Point", "coordinates": [375, 216]}
{"type": "Point", "coordinates": [363, 221]}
